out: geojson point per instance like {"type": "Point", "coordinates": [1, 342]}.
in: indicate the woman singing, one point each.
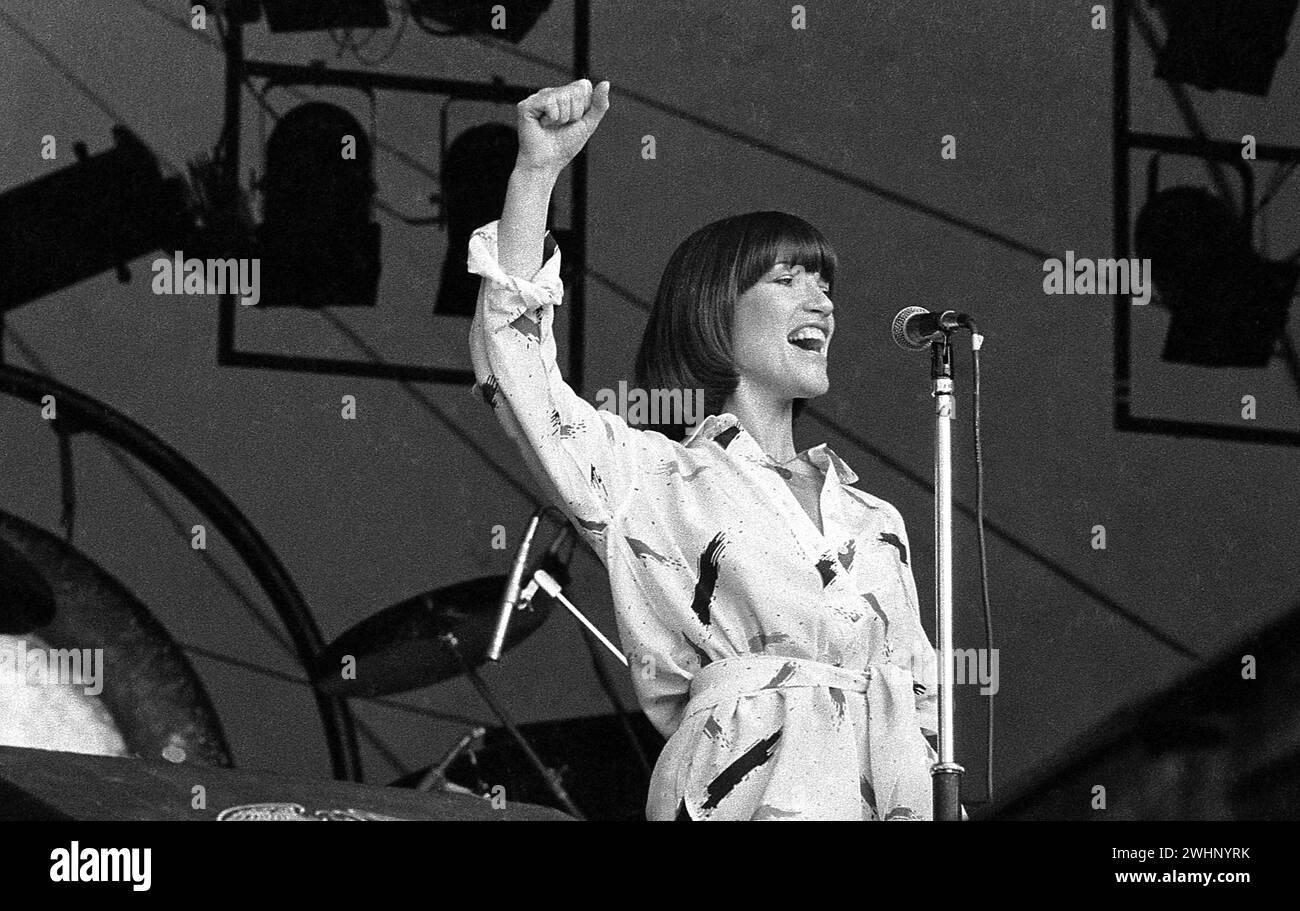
{"type": "Point", "coordinates": [766, 607]}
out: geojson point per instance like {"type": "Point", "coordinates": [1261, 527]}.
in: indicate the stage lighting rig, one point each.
{"type": "Point", "coordinates": [1227, 304]}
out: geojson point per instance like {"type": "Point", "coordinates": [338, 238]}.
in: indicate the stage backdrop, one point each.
{"type": "Point", "coordinates": [842, 122]}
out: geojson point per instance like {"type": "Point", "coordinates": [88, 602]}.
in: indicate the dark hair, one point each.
{"type": "Point", "coordinates": [687, 342]}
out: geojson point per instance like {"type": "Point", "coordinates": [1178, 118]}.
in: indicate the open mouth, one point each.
{"type": "Point", "coordinates": [809, 338]}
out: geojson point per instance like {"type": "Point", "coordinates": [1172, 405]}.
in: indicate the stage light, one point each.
{"type": "Point", "coordinates": [95, 215]}
{"type": "Point", "coordinates": [318, 244]}
{"type": "Point", "coordinates": [322, 15]}
{"type": "Point", "coordinates": [1228, 307]}
{"type": "Point", "coordinates": [474, 177]}
{"type": "Point", "coordinates": [508, 19]}
{"type": "Point", "coordinates": [1224, 44]}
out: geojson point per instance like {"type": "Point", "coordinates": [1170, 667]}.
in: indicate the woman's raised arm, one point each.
{"type": "Point", "coordinates": [554, 124]}
{"type": "Point", "coordinates": [588, 461]}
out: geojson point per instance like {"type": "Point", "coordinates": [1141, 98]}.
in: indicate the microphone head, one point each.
{"type": "Point", "coordinates": [898, 331]}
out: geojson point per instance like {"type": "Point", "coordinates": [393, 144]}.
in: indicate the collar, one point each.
{"type": "Point", "coordinates": [745, 445]}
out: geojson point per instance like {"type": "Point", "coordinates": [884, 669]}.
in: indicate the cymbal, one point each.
{"type": "Point", "coordinates": [403, 648]}
{"type": "Point", "coordinates": [26, 599]}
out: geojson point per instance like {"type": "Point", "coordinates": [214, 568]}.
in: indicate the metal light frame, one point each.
{"type": "Point", "coordinates": [1124, 139]}
{"type": "Point", "coordinates": [238, 68]}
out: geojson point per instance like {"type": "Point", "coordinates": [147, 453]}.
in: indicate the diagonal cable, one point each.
{"type": "Point", "coordinates": [59, 67]}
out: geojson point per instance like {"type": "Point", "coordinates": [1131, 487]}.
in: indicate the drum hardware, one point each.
{"type": "Point", "coordinates": [52, 785]}
{"type": "Point", "coordinates": [402, 647]}
{"type": "Point", "coordinates": [600, 770]}
{"type": "Point", "coordinates": [551, 777]}
{"type": "Point", "coordinates": [553, 588]}
{"type": "Point", "coordinates": [450, 631]}
{"type": "Point", "coordinates": [436, 777]}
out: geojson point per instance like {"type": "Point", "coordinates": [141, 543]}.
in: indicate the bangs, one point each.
{"type": "Point", "coordinates": [687, 340]}
{"type": "Point", "coordinates": [772, 237]}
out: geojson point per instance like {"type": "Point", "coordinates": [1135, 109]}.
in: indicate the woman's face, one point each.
{"type": "Point", "coordinates": [781, 331]}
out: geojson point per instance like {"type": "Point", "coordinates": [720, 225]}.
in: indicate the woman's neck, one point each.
{"type": "Point", "coordinates": [769, 422]}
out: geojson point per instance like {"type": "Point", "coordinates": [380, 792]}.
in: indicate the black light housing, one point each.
{"type": "Point", "coordinates": [242, 12]}
{"type": "Point", "coordinates": [1224, 44]}
{"type": "Point", "coordinates": [468, 17]}
{"type": "Point", "coordinates": [474, 177]}
{"type": "Point", "coordinates": [318, 244]}
{"type": "Point", "coordinates": [1228, 307]}
{"type": "Point", "coordinates": [95, 215]}
{"type": "Point", "coordinates": [322, 15]}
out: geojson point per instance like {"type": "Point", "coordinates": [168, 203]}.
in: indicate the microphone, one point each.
{"type": "Point", "coordinates": [915, 328]}
{"type": "Point", "coordinates": [510, 600]}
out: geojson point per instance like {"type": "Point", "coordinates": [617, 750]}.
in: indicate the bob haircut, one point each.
{"type": "Point", "coordinates": [687, 342]}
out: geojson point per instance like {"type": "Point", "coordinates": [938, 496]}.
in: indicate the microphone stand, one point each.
{"type": "Point", "coordinates": [946, 772]}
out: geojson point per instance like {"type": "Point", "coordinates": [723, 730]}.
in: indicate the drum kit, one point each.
{"type": "Point", "coordinates": [113, 682]}
{"type": "Point", "coordinates": [457, 629]}
{"type": "Point", "coordinates": [421, 641]}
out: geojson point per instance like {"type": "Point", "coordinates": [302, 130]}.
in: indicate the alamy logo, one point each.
{"type": "Point", "coordinates": [1098, 276]}
{"type": "Point", "coordinates": [76, 864]}
{"type": "Point", "coordinates": [25, 666]}
{"type": "Point", "coordinates": [654, 406]}
{"type": "Point", "coordinates": [179, 275]}
{"type": "Point", "coordinates": [977, 665]}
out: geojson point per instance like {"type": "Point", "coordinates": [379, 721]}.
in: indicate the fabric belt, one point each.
{"type": "Point", "coordinates": [900, 774]}
{"type": "Point", "coordinates": [729, 678]}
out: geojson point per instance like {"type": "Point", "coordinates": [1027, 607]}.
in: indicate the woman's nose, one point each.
{"type": "Point", "coordinates": [818, 299]}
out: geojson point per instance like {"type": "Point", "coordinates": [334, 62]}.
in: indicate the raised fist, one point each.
{"type": "Point", "coordinates": [555, 123]}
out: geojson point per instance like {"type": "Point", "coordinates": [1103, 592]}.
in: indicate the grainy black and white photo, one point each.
{"type": "Point", "coordinates": [593, 411]}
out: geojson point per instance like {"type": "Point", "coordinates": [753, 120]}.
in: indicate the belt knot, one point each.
{"type": "Point", "coordinates": [743, 675]}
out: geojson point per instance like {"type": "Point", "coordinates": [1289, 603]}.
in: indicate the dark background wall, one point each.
{"type": "Point", "coordinates": [840, 123]}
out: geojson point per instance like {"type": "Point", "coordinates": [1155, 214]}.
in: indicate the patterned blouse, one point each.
{"type": "Point", "coordinates": [786, 665]}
